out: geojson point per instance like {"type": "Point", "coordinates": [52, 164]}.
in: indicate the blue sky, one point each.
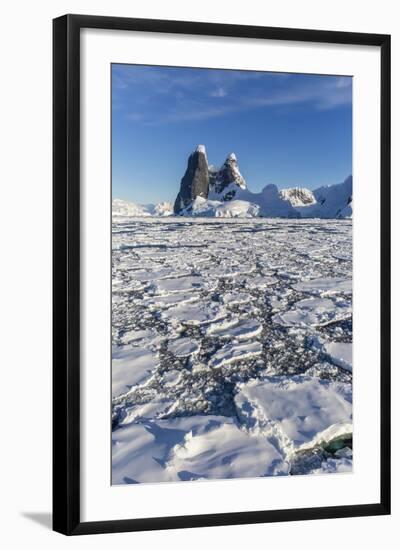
{"type": "Point", "coordinates": [286, 129]}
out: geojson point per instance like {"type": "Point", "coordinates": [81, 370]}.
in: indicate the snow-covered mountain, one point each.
{"type": "Point", "coordinates": [127, 209]}
{"type": "Point", "coordinates": [206, 191]}
{"type": "Point", "coordinates": [270, 203]}
{"type": "Point", "coordinates": [298, 196]}
{"type": "Point", "coordinates": [164, 208]}
{"type": "Point", "coordinates": [208, 182]}
{"type": "Point", "coordinates": [245, 204]}
{"type": "Point", "coordinates": [195, 182]}
{"type": "Point", "coordinates": [333, 201]}
{"type": "Point", "coordinates": [207, 208]}
{"type": "Point", "coordinates": [225, 182]}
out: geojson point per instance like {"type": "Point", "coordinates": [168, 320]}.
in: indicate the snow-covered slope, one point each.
{"type": "Point", "coordinates": [164, 208]}
{"type": "Point", "coordinates": [298, 196]}
{"type": "Point", "coordinates": [207, 208]}
{"type": "Point", "coordinates": [204, 187]}
{"type": "Point", "coordinates": [246, 204]}
{"type": "Point", "coordinates": [269, 202]}
{"type": "Point", "coordinates": [127, 209]}
{"type": "Point", "coordinates": [206, 191]}
{"type": "Point", "coordinates": [333, 201]}
{"type": "Point", "coordinates": [226, 182]}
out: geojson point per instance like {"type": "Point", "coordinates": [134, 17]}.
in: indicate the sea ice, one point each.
{"type": "Point", "coordinates": [298, 408]}
{"type": "Point", "coordinates": [236, 298]}
{"type": "Point", "coordinates": [214, 322]}
{"type": "Point", "coordinates": [173, 299]}
{"type": "Point", "coordinates": [183, 347]}
{"type": "Point", "coordinates": [195, 314]}
{"type": "Point", "coordinates": [240, 330]}
{"type": "Point", "coordinates": [340, 353]}
{"type": "Point", "coordinates": [180, 284]}
{"type": "Point", "coordinates": [131, 366]}
{"type": "Point", "coordinates": [225, 451]}
{"type": "Point", "coordinates": [147, 337]}
{"type": "Point", "coordinates": [190, 448]}
{"type": "Point", "coordinates": [325, 286]}
{"type": "Point", "coordinates": [235, 352]}
{"type": "Point", "coordinates": [314, 312]}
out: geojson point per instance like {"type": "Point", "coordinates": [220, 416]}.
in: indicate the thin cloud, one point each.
{"type": "Point", "coordinates": [219, 92]}
{"type": "Point", "coordinates": [156, 96]}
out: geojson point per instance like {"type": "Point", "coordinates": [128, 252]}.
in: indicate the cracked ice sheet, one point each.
{"type": "Point", "coordinates": [273, 257]}
{"type": "Point", "coordinates": [236, 298]}
{"type": "Point", "coordinates": [149, 275]}
{"type": "Point", "coordinates": [296, 411]}
{"type": "Point", "coordinates": [190, 448]}
{"type": "Point", "coordinates": [170, 300]}
{"type": "Point", "coordinates": [131, 366]}
{"type": "Point", "coordinates": [261, 282]}
{"type": "Point", "coordinates": [230, 353]}
{"type": "Point", "coordinates": [198, 314]}
{"type": "Point", "coordinates": [147, 338]}
{"type": "Point", "coordinates": [314, 312]}
{"type": "Point", "coordinates": [325, 286]}
{"type": "Point", "coordinates": [183, 347]}
{"type": "Point", "coordinates": [340, 353]}
{"type": "Point", "coordinates": [334, 466]}
{"type": "Point", "coordinates": [180, 284]}
{"type": "Point", "coordinates": [239, 330]}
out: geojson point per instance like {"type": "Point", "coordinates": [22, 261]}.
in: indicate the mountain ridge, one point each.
{"type": "Point", "coordinates": [219, 185]}
{"type": "Point", "coordinates": [206, 191]}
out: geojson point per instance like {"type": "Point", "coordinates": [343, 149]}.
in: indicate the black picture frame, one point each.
{"type": "Point", "coordinates": [66, 273]}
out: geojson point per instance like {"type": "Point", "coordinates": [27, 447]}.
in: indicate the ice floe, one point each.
{"type": "Point", "coordinates": [314, 312]}
{"type": "Point", "coordinates": [325, 286]}
{"type": "Point", "coordinates": [231, 348]}
{"type": "Point", "coordinates": [341, 354]}
{"type": "Point", "coordinates": [195, 314]}
{"type": "Point", "coordinates": [131, 366]}
{"type": "Point", "coordinates": [190, 448]}
{"type": "Point", "coordinates": [148, 337]}
{"type": "Point", "coordinates": [183, 347]}
{"type": "Point", "coordinates": [239, 330]}
{"type": "Point", "coordinates": [180, 284]}
{"type": "Point", "coordinates": [297, 410]}
{"type": "Point", "coordinates": [231, 353]}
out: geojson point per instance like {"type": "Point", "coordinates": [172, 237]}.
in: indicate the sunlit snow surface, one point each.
{"type": "Point", "coordinates": [231, 348]}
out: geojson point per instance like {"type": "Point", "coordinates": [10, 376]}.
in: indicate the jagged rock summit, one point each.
{"type": "Point", "coordinates": [298, 196]}
{"type": "Point", "coordinates": [195, 182]}
{"type": "Point", "coordinates": [206, 191]}
{"type": "Point", "coordinates": [225, 181]}
{"type": "Point", "coordinates": [207, 182]}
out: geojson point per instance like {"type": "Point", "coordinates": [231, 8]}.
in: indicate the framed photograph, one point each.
{"type": "Point", "coordinates": [221, 274]}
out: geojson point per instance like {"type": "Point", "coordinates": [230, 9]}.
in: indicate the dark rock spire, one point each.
{"type": "Point", "coordinates": [195, 182]}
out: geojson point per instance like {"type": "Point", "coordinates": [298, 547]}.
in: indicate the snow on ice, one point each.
{"type": "Point", "coordinates": [340, 353]}
{"type": "Point", "coordinates": [231, 348]}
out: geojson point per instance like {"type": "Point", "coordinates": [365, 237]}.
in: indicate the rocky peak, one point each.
{"type": "Point", "coordinates": [195, 182]}
{"type": "Point", "coordinates": [201, 149]}
{"type": "Point", "coordinates": [298, 196]}
{"type": "Point", "coordinates": [225, 182]}
{"type": "Point", "coordinates": [207, 182]}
